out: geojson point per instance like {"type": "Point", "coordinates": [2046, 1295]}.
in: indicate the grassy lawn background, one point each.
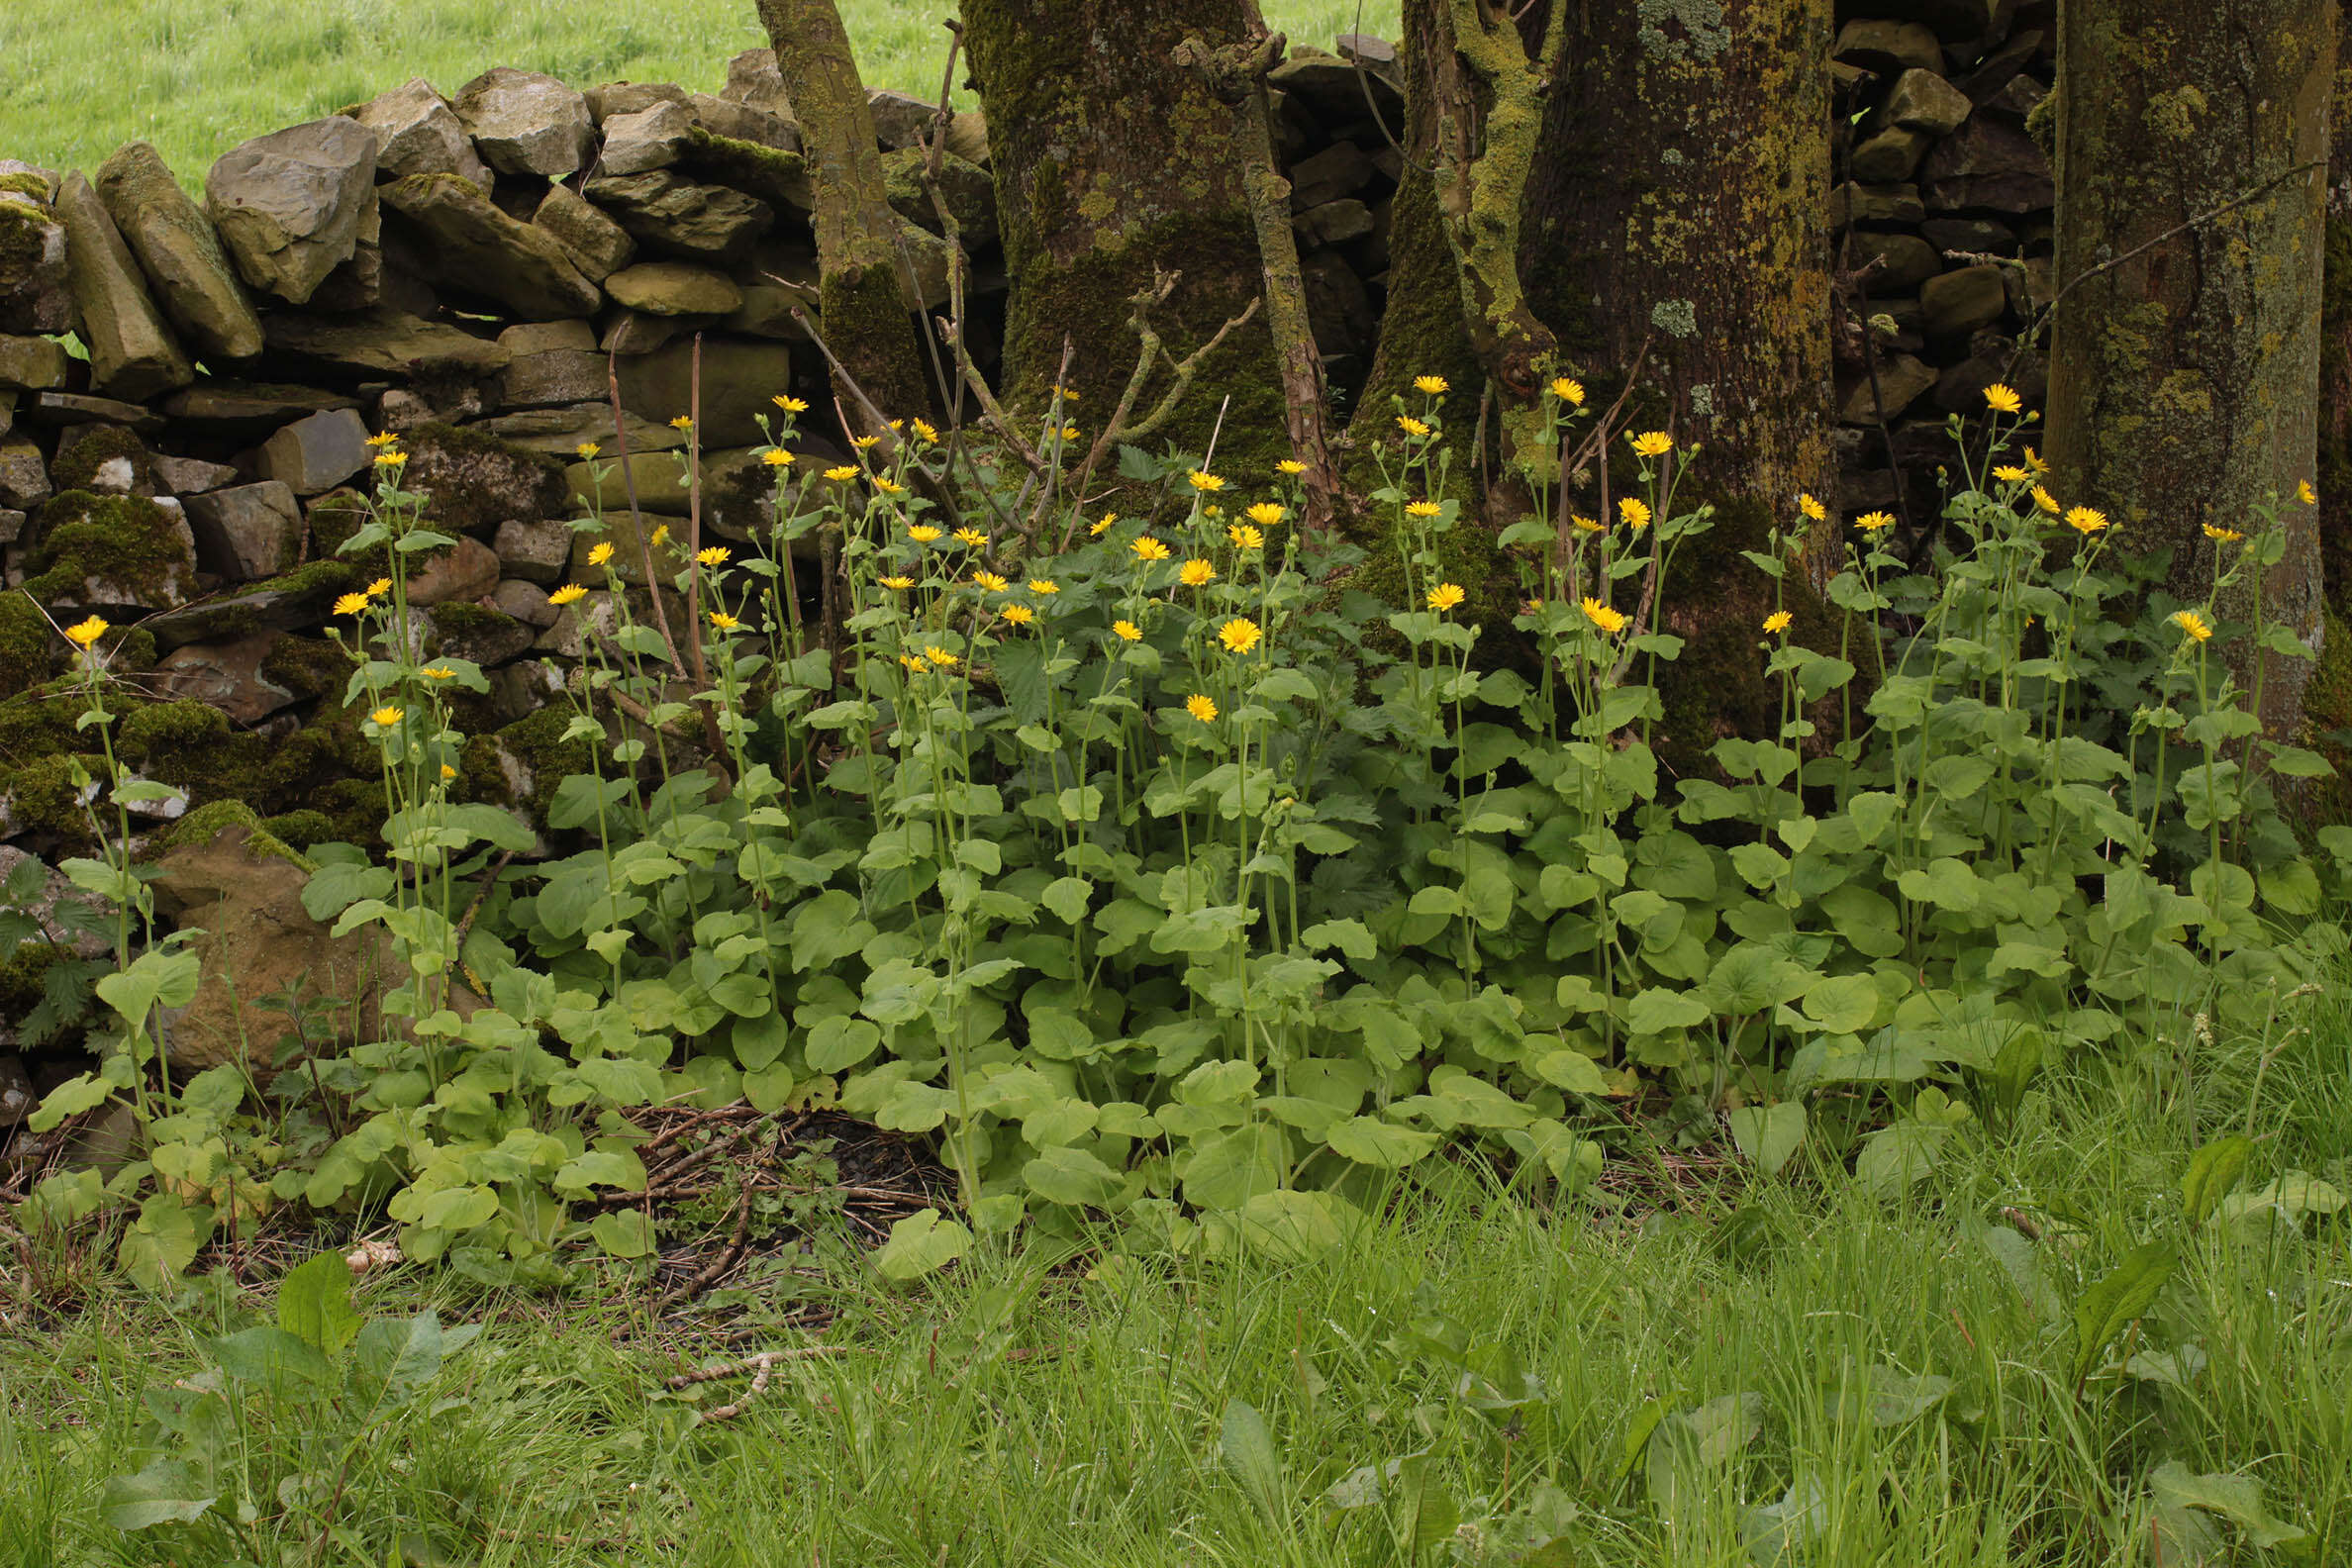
{"type": "Point", "coordinates": [197, 76]}
{"type": "Point", "coordinates": [1909, 1365]}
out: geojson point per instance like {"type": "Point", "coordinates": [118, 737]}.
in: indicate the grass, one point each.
{"type": "Point", "coordinates": [1052, 1407]}
{"type": "Point", "coordinates": [198, 76]}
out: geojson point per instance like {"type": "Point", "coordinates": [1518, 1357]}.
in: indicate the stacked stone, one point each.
{"type": "Point", "coordinates": [453, 270]}
{"type": "Point", "coordinates": [1943, 222]}
{"type": "Point", "coordinates": [1337, 120]}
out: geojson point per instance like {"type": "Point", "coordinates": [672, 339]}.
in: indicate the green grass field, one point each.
{"type": "Point", "coordinates": [197, 76]}
{"type": "Point", "coordinates": [1679, 1379]}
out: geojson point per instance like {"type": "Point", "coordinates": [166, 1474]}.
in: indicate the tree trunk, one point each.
{"type": "Point", "coordinates": [868, 322]}
{"type": "Point", "coordinates": [1421, 330]}
{"type": "Point", "coordinates": [2185, 375]}
{"type": "Point", "coordinates": [1110, 163]}
{"type": "Point", "coordinates": [1678, 217]}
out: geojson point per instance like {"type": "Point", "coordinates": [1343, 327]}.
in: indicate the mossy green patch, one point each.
{"type": "Point", "coordinates": [25, 645]}
{"type": "Point", "coordinates": [78, 463]}
{"type": "Point", "coordinates": [477, 481]}
{"type": "Point", "coordinates": [105, 549]}
{"type": "Point", "coordinates": [769, 174]}
{"type": "Point", "coordinates": [206, 823]}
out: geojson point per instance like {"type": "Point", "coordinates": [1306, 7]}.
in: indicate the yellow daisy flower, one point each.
{"type": "Point", "coordinates": [1873, 521]}
{"type": "Point", "coordinates": [1569, 391]}
{"type": "Point", "coordinates": [1778, 620]}
{"type": "Point", "coordinates": [1043, 585]}
{"type": "Point", "coordinates": [1423, 509]}
{"type": "Point", "coordinates": [382, 439]}
{"type": "Point", "coordinates": [601, 553]}
{"type": "Point", "coordinates": [841, 473]}
{"type": "Point", "coordinates": [1814, 511]}
{"type": "Point", "coordinates": [990, 581]}
{"type": "Point", "coordinates": [2002, 399]}
{"type": "Point", "coordinates": [2305, 493]}
{"type": "Point", "coordinates": [1200, 707]}
{"type": "Point", "coordinates": [723, 622]}
{"type": "Point", "coordinates": [381, 587]}
{"type": "Point", "coordinates": [923, 533]}
{"type": "Point", "coordinates": [587, 449]}
{"type": "Point", "coordinates": [1200, 479]}
{"type": "Point", "coordinates": [2086, 520]}
{"type": "Point", "coordinates": [439, 672]}
{"type": "Point", "coordinates": [352, 604]}
{"type": "Point", "coordinates": [2010, 473]}
{"type": "Point", "coordinates": [1445, 596]}
{"type": "Point", "coordinates": [1585, 525]}
{"type": "Point", "coordinates": [1018, 614]}
{"type": "Point", "coordinates": [711, 554]}
{"type": "Point", "coordinates": [1239, 635]}
{"type": "Point", "coordinates": [2046, 501]}
{"type": "Point", "coordinates": [569, 593]}
{"type": "Point", "coordinates": [1127, 632]}
{"type": "Point", "coordinates": [385, 718]}
{"type": "Point", "coordinates": [1652, 444]}
{"type": "Point", "coordinates": [777, 457]}
{"type": "Point", "coordinates": [970, 537]}
{"type": "Point", "coordinates": [940, 656]}
{"type": "Point", "coordinates": [1412, 427]}
{"type": "Point", "coordinates": [84, 632]}
{"type": "Point", "coordinates": [790, 405]}
{"type": "Point", "coordinates": [682, 421]}
{"type": "Point", "coordinates": [1434, 385]}
{"type": "Point", "coordinates": [2223, 534]}
{"type": "Point", "coordinates": [861, 443]}
{"type": "Point", "coordinates": [901, 583]}
{"type": "Point", "coordinates": [1195, 574]}
{"type": "Point", "coordinates": [1636, 515]}
{"type": "Point", "coordinates": [1244, 537]}
{"type": "Point", "coordinates": [1098, 529]}
{"type": "Point", "coordinates": [1147, 549]}
{"type": "Point", "coordinates": [1609, 620]}
{"type": "Point", "coordinates": [1290, 466]}
{"type": "Point", "coordinates": [2193, 624]}
{"type": "Point", "coordinates": [888, 485]}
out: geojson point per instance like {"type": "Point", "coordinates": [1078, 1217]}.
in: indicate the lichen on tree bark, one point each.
{"type": "Point", "coordinates": [1111, 164]}
{"type": "Point", "coordinates": [867, 321]}
{"type": "Point", "coordinates": [2183, 378]}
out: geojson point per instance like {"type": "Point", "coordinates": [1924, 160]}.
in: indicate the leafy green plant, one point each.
{"type": "Point", "coordinates": [1158, 870]}
{"type": "Point", "coordinates": [261, 1446]}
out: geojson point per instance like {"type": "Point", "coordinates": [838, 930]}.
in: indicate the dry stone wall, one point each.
{"type": "Point", "coordinates": [456, 269]}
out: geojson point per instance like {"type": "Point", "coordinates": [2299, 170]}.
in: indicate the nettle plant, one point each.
{"type": "Point", "coordinates": [1162, 873]}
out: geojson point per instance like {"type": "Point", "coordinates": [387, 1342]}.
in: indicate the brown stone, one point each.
{"type": "Point", "coordinates": [227, 676]}
{"type": "Point", "coordinates": [261, 947]}
{"type": "Point", "coordinates": [468, 571]}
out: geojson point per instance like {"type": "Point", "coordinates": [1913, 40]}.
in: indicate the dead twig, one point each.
{"type": "Point", "coordinates": [761, 1362]}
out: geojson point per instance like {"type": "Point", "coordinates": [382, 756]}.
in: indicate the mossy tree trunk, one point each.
{"type": "Point", "coordinates": [1677, 218]}
{"type": "Point", "coordinates": [868, 324]}
{"type": "Point", "coordinates": [1112, 163]}
{"type": "Point", "coordinates": [1422, 327]}
{"type": "Point", "coordinates": [2184, 363]}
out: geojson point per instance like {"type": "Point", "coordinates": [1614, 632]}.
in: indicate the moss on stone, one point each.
{"type": "Point", "coordinates": [162, 729]}
{"type": "Point", "coordinates": [25, 184]}
{"type": "Point", "coordinates": [43, 799]}
{"type": "Point", "coordinates": [306, 666]}
{"type": "Point", "coordinates": [128, 543]}
{"type": "Point", "coordinates": [300, 828]}
{"type": "Point", "coordinates": [536, 741]}
{"type": "Point", "coordinates": [24, 240]}
{"type": "Point", "coordinates": [25, 645]}
{"type": "Point", "coordinates": [77, 465]}
{"type": "Point", "coordinates": [22, 975]}
{"type": "Point", "coordinates": [206, 823]}
{"type": "Point", "coordinates": [477, 481]}
{"type": "Point", "coordinates": [771, 173]}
